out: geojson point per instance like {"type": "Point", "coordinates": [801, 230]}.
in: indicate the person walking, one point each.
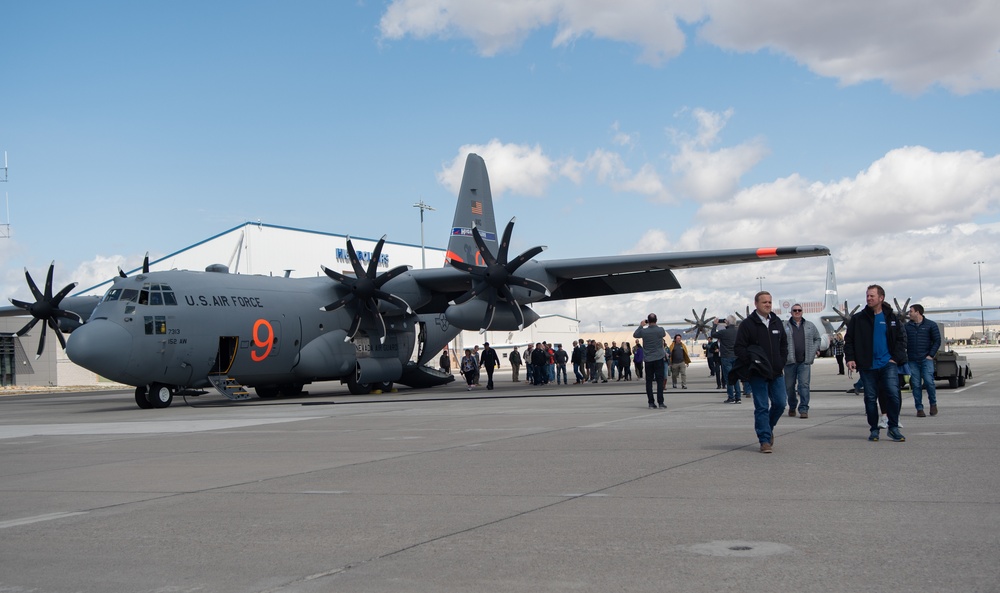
{"type": "Point", "coordinates": [653, 357]}
{"type": "Point", "coordinates": [514, 358]}
{"type": "Point", "coordinates": [561, 359]}
{"type": "Point", "coordinates": [637, 358]}
{"type": "Point", "coordinates": [838, 351]}
{"type": "Point", "coordinates": [761, 348]}
{"type": "Point", "coordinates": [489, 360]}
{"type": "Point", "coordinates": [725, 333]}
{"type": "Point", "coordinates": [923, 340]}
{"type": "Point", "coordinates": [469, 368]}
{"type": "Point", "coordinates": [875, 342]}
{"type": "Point", "coordinates": [803, 347]}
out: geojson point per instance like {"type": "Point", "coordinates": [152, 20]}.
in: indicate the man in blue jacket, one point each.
{"type": "Point", "coordinates": [761, 345]}
{"type": "Point", "coordinates": [923, 339]}
{"type": "Point", "coordinates": [875, 346]}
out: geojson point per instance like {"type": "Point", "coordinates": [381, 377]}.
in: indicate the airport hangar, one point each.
{"type": "Point", "coordinates": [250, 248]}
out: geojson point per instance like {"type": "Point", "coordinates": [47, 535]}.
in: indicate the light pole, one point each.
{"type": "Point", "coordinates": [422, 206]}
{"type": "Point", "coordinates": [761, 280]}
{"type": "Point", "coordinates": [982, 314]}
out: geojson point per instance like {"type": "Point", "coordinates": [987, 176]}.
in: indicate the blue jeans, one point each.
{"type": "Point", "coordinates": [764, 418]}
{"type": "Point", "coordinates": [800, 373]}
{"type": "Point", "coordinates": [923, 376]}
{"type": "Point", "coordinates": [654, 372]}
{"type": "Point", "coordinates": [577, 373]}
{"type": "Point", "coordinates": [732, 387]}
{"type": "Point", "coordinates": [882, 382]}
{"type": "Point", "coordinates": [561, 370]}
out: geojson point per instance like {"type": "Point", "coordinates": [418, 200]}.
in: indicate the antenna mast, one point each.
{"type": "Point", "coordinates": [5, 227]}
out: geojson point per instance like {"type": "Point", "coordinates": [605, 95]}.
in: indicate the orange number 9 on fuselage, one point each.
{"type": "Point", "coordinates": [266, 343]}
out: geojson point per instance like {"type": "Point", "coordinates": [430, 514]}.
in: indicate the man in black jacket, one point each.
{"type": "Point", "coordinates": [875, 346]}
{"type": "Point", "coordinates": [761, 345]}
{"type": "Point", "coordinates": [490, 360]}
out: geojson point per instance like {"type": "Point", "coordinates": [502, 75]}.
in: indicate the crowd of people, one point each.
{"type": "Point", "coordinates": [764, 357]}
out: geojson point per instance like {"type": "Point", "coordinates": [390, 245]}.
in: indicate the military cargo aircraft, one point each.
{"type": "Point", "coordinates": [180, 332]}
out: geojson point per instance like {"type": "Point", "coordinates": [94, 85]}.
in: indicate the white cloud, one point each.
{"type": "Point", "coordinates": [524, 170]}
{"type": "Point", "coordinates": [497, 25]}
{"type": "Point", "coordinates": [911, 48]}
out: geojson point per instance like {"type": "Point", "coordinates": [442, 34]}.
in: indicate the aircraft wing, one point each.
{"type": "Point", "coordinates": [621, 274]}
{"type": "Point", "coordinates": [935, 310]}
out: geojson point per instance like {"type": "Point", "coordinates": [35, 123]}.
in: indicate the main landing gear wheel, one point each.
{"type": "Point", "coordinates": [160, 395]}
{"type": "Point", "coordinates": [384, 387]}
{"type": "Point", "coordinates": [266, 391]}
{"type": "Point", "coordinates": [357, 388]}
{"type": "Point", "coordinates": [140, 398]}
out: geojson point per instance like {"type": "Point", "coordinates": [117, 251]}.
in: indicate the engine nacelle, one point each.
{"type": "Point", "coordinates": [470, 315]}
{"type": "Point", "coordinates": [328, 356]}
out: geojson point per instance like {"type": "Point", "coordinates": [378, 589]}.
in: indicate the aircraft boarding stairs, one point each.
{"type": "Point", "coordinates": [229, 387]}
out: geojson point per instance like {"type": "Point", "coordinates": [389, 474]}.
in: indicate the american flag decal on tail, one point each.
{"type": "Point", "coordinates": [477, 208]}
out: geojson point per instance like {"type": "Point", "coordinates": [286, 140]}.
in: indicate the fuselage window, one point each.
{"type": "Point", "coordinates": [161, 324]}
{"type": "Point", "coordinates": [148, 324]}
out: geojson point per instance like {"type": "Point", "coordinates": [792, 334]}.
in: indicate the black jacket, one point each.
{"type": "Point", "coordinates": [772, 340]}
{"type": "Point", "coordinates": [488, 358]}
{"type": "Point", "coordinates": [860, 329]}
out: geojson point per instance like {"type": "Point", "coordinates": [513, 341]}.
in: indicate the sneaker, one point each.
{"type": "Point", "coordinates": [663, 406]}
{"type": "Point", "coordinates": [920, 414]}
{"type": "Point", "coordinates": [739, 401]}
{"type": "Point", "coordinates": [765, 447]}
{"type": "Point", "coordinates": [730, 401]}
{"type": "Point", "coordinates": [804, 415]}
{"type": "Point", "coordinates": [883, 421]}
{"type": "Point", "coordinates": [791, 412]}
{"type": "Point", "coordinates": [874, 435]}
{"type": "Point", "coordinates": [652, 406]}
{"type": "Point", "coordinates": [895, 435]}
{"type": "Point", "coordinates": [933, 409]}
{"type": "Point", "coordinates": [684, 386]}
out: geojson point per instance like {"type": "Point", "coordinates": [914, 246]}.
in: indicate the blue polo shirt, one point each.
{"type": "Point", "coordinates": [880, 347]}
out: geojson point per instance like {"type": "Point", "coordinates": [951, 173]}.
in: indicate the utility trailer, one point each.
{"type": "Point", "coordinates": [953, 367]}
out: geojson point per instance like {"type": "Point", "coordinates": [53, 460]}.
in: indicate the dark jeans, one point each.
{"type": "Point", "coordinates": [881, 386]}
{"type": "Point", "coordinates": [732, 387]}
{"type": "Point", "coordinates": [769, 401]}
{"type": "Point", "coordinates": [654, 372]}
{"type": "Point", "coordinates": [840, 364]}
{"type": "Point", "coordinates": [489, 377]}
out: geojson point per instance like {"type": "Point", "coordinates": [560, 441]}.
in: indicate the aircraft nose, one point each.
{"type": "Point", "coordinates": [102, 347]}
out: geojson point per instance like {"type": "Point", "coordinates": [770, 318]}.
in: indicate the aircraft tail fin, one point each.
{"type": "Point", "coordinates": [474, 209]}
{"type": "Point", "coordinates": [831, 300]}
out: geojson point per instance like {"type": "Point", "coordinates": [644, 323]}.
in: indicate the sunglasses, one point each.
{"type": "Point", "coordinates": [796, 310]}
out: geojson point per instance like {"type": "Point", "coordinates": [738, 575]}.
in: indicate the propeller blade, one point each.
{"type": "Point", "coordinates": [515, 308]}
{"type": "Point", "coordinates": [27, 327]}
{"type": "Point", "coordinates": [381, 324]}
{"type": "Point", "coordinates": [48, 281]}
{"type": "Point", "coordinates": [62, 294]}
{"type": "Point", "coordinates": [41, 343]}
{"type": "Point", "coordinates": [491, 309]}
{"type": "Point", "coordinates": [461, 265]}
{"type": "Point", "coordinates": [336, 275]}
{"type": "Point", "coordinates": [122, 273]}
{"type": "Point", "coordinates": [359, 270]}
{"type": "Point", "coordinates": [20, 304]}
{"type": "Point", "coordinates": [382, 279]}
{"type": "Point", "coordinates": [395, 300]}
{"type": "Point", "coordinates": [484, 249]}
{"type": "Point", "coordinates": [355, 326]}
{"type": "Point", "coordinates": [34, 289]}
{"type": "Point", "coordinates": [529, 284]}
{"type": "Point", "coordinates": [338, 303]}
{"type": "Point", "coordinates": [145, 264]}
{"type": "Point", "coordinates": [527, 255]}
{"type": "Point", "coordinates": [55, 328]}
{"type": "Point", "coordinates": [376, 254]}
{"type": "Point", "coordinates": [477, 289]}
{"type": "Point", "coordinates": [505, 241]}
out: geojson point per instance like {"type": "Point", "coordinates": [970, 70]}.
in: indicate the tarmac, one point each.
{"type": "Point", "coordinates": [552, 488]}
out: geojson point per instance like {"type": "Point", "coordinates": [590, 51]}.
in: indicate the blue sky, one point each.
{"type": "Point", "coordinates": [608, 127]}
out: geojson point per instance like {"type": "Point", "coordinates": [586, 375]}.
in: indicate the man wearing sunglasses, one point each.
{"type": "Point", "coordinates": [803, 346]}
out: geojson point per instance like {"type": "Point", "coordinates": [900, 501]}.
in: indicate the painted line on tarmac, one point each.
{"type": "Point", "coordinates": [38, 519]}
{"type": "Point", "coordinates": [155, 427]}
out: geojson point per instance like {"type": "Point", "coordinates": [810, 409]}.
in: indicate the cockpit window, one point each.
{"type": "Point", "coordinates": [156, 298]}
{"type": "Point", "coordinates": [130, 294]}
{"type": "Point", "coordinates": [168, 298]}
{"type": "Point", "coordinates": [112, 295]}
